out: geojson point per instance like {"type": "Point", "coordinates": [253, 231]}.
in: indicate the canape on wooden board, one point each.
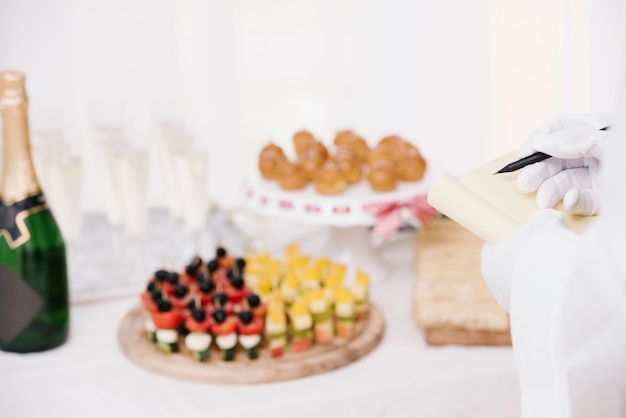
{"type": "Point", "coordinates": [166, 320]}
{"type": "Point", "coordinates": [301, 324]}
{"type": "Point", "coordinates": [256, 305]}
{"type": "Point", "coordinates": [250, 329]}
{"type": "Point", "coordinates": [344, 313]}
{"type": "Point", "coordinates": [150, 329]}
{"type": "Point", "coordinates": [321, 312]}
{"type": "Point", "coordinates": [225, 330]}
{"type": "Point", "coordinates": [276, 330]}
{"type": "Point", "coordinates": [199, 339]}
{"type": "Point", "coordinates": [297, 262]}
{"type": "Point", "coordinates": [264, 288]}
{"type": "Point", "coordinates": [310, 279]}
{"type": "Point", "coordinates": [360, 291]}
{"type": "Point", "coordinates": [322, 265]}
{"type": "Point", "coordinates": [331, 283]}
{"type": "Point", "coordinates": [289, 287]}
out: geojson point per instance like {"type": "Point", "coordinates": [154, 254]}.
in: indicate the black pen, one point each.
{"type": "Point", "coordinates": [523, 162]}
{"type": "Point", "coordinates": [531, 159]}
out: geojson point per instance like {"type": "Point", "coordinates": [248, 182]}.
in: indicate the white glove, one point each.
{"type": "Point", "coordinates": [498, 261]}
{"type": "Point", "coordinates": [576, 144]}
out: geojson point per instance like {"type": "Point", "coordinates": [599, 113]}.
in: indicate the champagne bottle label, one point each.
{"type": "Point", "coordinates": [19, 304]}
{"type": "Point", "coordinates": [12, 216]}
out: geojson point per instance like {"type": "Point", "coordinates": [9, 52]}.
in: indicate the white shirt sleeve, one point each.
{"type": "Point", "coordinates": [568, 307]}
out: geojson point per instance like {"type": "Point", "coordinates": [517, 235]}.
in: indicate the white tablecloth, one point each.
{"type": "Point", "coordinates": [89, 376]}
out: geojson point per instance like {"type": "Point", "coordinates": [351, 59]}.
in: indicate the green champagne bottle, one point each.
{"type": "Point", "coordinates": [34, 300]}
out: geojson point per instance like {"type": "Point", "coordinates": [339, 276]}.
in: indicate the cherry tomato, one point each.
{"type": "Point", "coordinates": [147, 302]}
{"type": "Point", "coordinates": [179, 303]}
{"type": "Point", "coordinates": [254, 327]}
{"type": "Point", "coordinates": [193, 326]}
{"type": "Point", "coordinates": [236, 295]}
{"type": "Point", "coordinates": [260, 311]}
{"type": "Point", "coordinates": [301, 344]}
{"type": "Point", "coordinates": [167, 320]}
{"type": "Point", "coordinates": [226, 327]}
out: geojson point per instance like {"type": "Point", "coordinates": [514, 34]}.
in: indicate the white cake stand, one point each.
{"type": "Point", "coordinates": [350, 240]}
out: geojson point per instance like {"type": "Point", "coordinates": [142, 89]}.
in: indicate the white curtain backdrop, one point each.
{"type": "Point", "coordinates": [464, 81]}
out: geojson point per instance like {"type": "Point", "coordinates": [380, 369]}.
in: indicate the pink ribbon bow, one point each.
{"type": "Point", "coordinates": [390, 214]}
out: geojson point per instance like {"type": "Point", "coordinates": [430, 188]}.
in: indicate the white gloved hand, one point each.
{"type": "Point", "coordinates": [576, 144]}
{"type": "Point", "coordinates": [498, 261]}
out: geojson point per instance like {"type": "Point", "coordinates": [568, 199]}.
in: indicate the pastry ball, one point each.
{"type": "Point", "coordinates": [291, 176]}
{"type": "Point", "coordinates": [354, 142]}
{"type": "Point", "coordinates": [411, 166]}
{"type": "Point", "coordinates": [390, 141]}
{"type": "Point", "coordinates": [380, 153]}
{"type": "Point", "coordinates": [349, 164]}
{"type": "Point", "coordinates": [300, 139]}
{"type": "Point", "coordinates": [343, 137]}
{"type": "Point", "coordinates": [271, 159]}
{"type": "Point", "coordinates": [382, 176]}
{"type": "Point", "coordinates": [395, 146]}
{"type": "Point", "coordinates": [311, 165]}
{"type": "Point", "coordinates": [329, 179]}
{"type": "Point", "coordinates": [314, 149]}
{"type": "Point", "coordinates": [360, 147]}
{"type": "Point", "coordinates": [271, 149]}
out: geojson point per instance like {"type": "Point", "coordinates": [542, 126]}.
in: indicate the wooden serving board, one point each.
{"type": "Point", "coordinates": [319, 359]}
{"type": "Point", "coordinates": [452, 302]}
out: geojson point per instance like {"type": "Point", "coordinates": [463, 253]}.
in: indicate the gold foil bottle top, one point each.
{"type": "Point", "coordinates": [19, 179]}
{"type": "Point", "coordinates": [12, 88]}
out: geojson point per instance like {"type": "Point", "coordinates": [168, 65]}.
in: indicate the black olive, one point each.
{"type": "Point", "coordinates": [198, 314]}
{"type": "Point", "coordinates": [173, 278]}
{"type": "Point", "coordinates": [161, 275]}
{"type": "Point", "coordinates": [246, 317]}
{"type": "Point", "coordinates": [254, 300]}
{"type": "Point", "coordinates": [200, 276]}
{"type": "Point", "coordinates": [237, 282]}
{"type": "Point", "coordinates": [164, 305]}
{"type": "Point", "coordinates": [207, 286]}
{"type": "Point", "coordinates": [181, 291]}
{"type": "Point", "coordinates": [220, 298]}
{"type": "Point", "coordinates": [151, 286]}
{"type": "Point", "coordinates": [241, 263]}
{"type": "Point", "coordinates": [213, 266]}
{"type": "Point", "coordinates": [220, 252]}
{"type": "Point", "coordinates": [193, 266]}
{"type": "Point", "coordinates": [230, 274]}
{"type": "Point", "coordinates": [156, 295]}
{"type": "Point", "coordinates": [191, 270]}
{"type": "Point", "coordinates": [219, 315]}
{"type": "Point", "coordinates": [192, 305]}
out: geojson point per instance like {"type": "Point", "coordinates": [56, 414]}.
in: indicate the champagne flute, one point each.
{"type": "Point", "coordinates": [171, 138]}
{"type": "Point", "coordinates": [190, 167]}
{"type": "Point", "coordinates": [109, 140]}
{"type": "Point", "coordinates": [130, 167]}
{"type": "Point", "coordinates": [60, 172]}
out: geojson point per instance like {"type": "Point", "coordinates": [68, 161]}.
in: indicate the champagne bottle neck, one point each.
{"type": "Point", "coordinates": [19, 179]}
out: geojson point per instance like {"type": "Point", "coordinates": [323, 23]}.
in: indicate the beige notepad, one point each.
{"type": "Point", "coordinates": [490, 205]}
